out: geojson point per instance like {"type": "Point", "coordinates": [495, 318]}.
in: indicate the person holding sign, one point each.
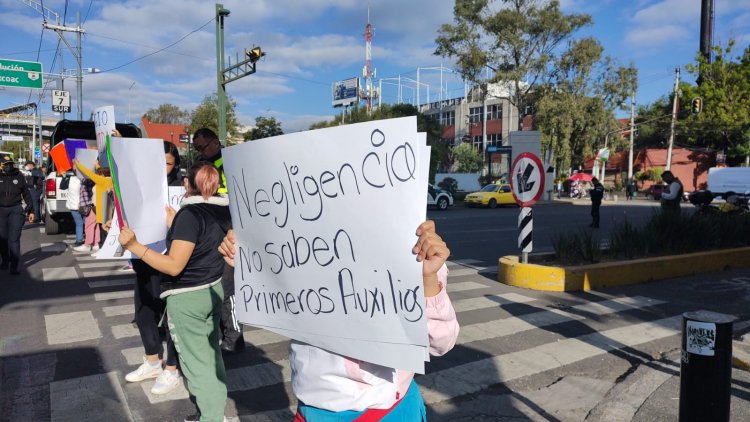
{"type": "Point", "coordinates": [332, 387]}
{"type": "Point", "coordinates": [149, 309]}
{"type": "Point", "coordinates": [192, 285]}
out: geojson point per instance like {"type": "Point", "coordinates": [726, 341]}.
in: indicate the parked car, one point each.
{"type": "Point", "coordinates": [439, 198]}
{"type": "Point", "coordinates": [491, 196]}
{"type": "Point", "coordinates": [55, 211]}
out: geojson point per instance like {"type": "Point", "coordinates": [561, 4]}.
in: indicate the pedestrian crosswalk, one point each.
{"type": "Point", "coordinates": [487, 311]}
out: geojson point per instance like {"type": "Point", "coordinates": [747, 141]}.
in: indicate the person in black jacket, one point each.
{"type": "Point", "coordinates": [12, 189]}
{"type": "Point", "coordinates": [596, 194]}
{"type": "Point", "coordinates": [35, 182]}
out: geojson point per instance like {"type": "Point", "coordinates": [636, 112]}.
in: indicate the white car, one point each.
{"type": "Point", "coordinates": [439, 198]}
{"type": "Point", "coordinates": [55, 210]}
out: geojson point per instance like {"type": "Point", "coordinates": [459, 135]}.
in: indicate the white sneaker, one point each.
{"type": "Point", "coordinates": [94, 254]}
{"type": "Point", "coordinates": [82, 248]}
{"type": "Point", "coordinates": [144, 372]}
{"type": "Point", "coordinates": [167, 381]}
{"type": "Point", "coordinates": [95, 248]}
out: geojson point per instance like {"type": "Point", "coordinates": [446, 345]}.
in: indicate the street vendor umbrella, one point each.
{"type": "Point", "coordinates": [581, 177]}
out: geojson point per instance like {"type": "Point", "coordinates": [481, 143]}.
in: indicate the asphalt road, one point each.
{"type": "Point", "coordinates": [66, 339]}
{"type": "Point", "coordinates": [487, 234]}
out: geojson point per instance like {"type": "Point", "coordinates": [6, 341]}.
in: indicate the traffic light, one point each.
{"type": "Point", "coordinates": [696, 105]}
{"type": "Point", "coordinates": [255, 54]}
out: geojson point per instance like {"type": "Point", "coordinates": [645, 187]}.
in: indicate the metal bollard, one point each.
{"type": "Point", "coordinates": [706, 366]}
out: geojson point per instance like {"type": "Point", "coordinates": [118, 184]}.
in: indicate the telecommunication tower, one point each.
{"type": "Point", "coordinates": [368, 72]}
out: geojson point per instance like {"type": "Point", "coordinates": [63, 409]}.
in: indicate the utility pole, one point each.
{"type": "Point", "coordinates": [675, 102]}
{"type": "Point", "coordinates": [59, 29]}
{"type": "Point", "coordinates": [632, 136]}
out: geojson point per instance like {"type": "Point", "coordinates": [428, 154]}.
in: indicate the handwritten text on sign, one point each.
{"type": "Point", "coordinates": [324, 239]}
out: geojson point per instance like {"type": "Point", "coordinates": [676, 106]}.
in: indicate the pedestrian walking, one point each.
{"type": "Point", "coordinates": [13, 189]}
{"type": "Point", "coordinates": [207, 144]}
{"type": "Point", "coordinates": [630, 190]}
{"type": "Point", "coordinates": [331, 387]}
{"type": "Point", "coordinates": [596, 193]}
{"type": "Point", "coordinates": [192, 285]}
{"type": "Point", "coordinates": [149, 310]}
{"type": "Point", "coordinates": [672, 196]}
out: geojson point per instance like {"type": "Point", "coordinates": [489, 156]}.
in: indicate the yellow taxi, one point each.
{"type": "Point", "coordinates": [490, 196]}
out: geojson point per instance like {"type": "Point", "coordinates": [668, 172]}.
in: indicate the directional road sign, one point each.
{"type": "Point", "coordinates": [20, 74]}
{"type": "Point", "coordinates": [61, 101]}
{"type": "Point", "coordinates": [527, 179]}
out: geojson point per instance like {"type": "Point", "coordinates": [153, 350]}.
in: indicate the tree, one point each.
{"type": "Point", "coordinates": [468, 158]}
{"type": "Point", "coordinates": [724, 123]}
{"type": "Point", "coordinates": [168, 113]}
{"type": "Point", "coordinates": [517, 42]}
{"type": "Point", "coordinates": [575, 107]}
{"type": "Point", "coordinates": [207, 115]}
{"type": "Point", "coordinates": [265, 127]}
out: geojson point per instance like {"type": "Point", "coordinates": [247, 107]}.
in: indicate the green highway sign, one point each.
{"type": "Point", "coordinates": [20, 74]}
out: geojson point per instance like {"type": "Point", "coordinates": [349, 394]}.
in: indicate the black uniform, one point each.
{"type": "Point", "coordinates": [597, 193]}
{"type": "Point", "coordinates": [12, 215]}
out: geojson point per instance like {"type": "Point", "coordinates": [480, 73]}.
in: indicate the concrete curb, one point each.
{"type": "Point", "coordinates": [617, 273]}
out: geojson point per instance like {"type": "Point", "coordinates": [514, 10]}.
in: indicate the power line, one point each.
{"type": "Point", "coordinates": [87, 12]}
{"type": "Point", "coordinates": [160, 50]}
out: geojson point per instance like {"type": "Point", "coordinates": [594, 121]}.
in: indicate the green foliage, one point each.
{"type": "Point", "coordinates": [265, 127]}
{"type": "Point", "coordinates": [207, 115]}
{"type": "Point", "coordinates": [654, 173]}
{"type": "Point", "coordinates": [449, 184]}
{"type": "Point", "coordinates": [468, 158]}
{"type": "Point", "coordinates": [663, 234]}
{"type": "Point", "coordinates": [168, 113]}
{"type": "Point", "coordinates": [576, 247]}
{"type": "Point", "coordinates": [725, 90]}
{"type": "Point", "coordinates": [517, 41]}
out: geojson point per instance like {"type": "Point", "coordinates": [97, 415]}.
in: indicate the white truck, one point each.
{"type": "Point", "coordinates": [728, 181]}
{"type": "Point", "coordinates": [55, 212]}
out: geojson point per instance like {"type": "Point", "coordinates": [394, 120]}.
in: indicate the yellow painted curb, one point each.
{"type": "Point", "coordinates": [617, 273]}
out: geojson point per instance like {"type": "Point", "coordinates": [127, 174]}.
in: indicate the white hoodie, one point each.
{"type": "Point", "coordinates": [74, 194]}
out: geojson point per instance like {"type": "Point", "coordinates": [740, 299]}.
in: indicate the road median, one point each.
{"type": "Point", "coordinates": [616, 273]}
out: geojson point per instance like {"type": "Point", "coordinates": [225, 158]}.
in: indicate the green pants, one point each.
{"type": "Point", "coordinates": [194, 326]}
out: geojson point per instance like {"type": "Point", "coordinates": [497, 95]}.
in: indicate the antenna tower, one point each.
{"type": "Point", "coordinates": [368, 71]}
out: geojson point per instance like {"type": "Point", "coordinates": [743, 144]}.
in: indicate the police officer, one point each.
{"type": "Point", "coordinates": [596, 194]}
{"type": "Point", "coordinates": [207, 144]}
{"type": "Point", "coordinates": [12, 189]}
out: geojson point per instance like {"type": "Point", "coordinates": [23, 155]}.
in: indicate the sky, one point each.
{"type": "Point", "coordinates": [309, 44]}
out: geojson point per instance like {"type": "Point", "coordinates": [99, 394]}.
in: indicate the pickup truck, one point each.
{"type": "Point", "coordinates": [55, 211]}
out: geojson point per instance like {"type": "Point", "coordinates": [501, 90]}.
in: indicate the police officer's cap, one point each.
{"type": "Point", "coordinates": [5, 158]}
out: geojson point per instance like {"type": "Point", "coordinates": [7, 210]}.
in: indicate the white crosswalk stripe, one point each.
{"type": "Point", "coordinates": [516, 311]}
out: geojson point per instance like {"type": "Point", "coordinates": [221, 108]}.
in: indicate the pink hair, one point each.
{"type": "Point", "coordinates": [204, 180]}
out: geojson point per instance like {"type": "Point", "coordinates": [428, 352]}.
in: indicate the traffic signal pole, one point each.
{"type": "Point", "coordinates": [221, 93]}
{"type": "Point", "coordinates": [675, 100]}
{"type": "Point", "coordinates": [231, 73]}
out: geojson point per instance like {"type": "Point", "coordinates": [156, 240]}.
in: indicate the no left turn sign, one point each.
{"type": "Point", "coordinates": [527, 179]}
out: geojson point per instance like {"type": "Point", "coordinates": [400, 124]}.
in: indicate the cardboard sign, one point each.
{"type": "Point", "coordinates": [324, 240]}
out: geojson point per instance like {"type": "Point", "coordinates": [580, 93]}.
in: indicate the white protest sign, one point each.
{"type": "Point", "coordinates": [104, 124]}
{"type": "Point", "coordinates": [176, 195]}
{"type": "Point", "coordinates": [324, 240]}
{"type": "Point", "coordinates": [87, 158]}
{"type": "Point", "coordinates": [112, 249]}
{"type": "Point", "coordinates": [141, 173]}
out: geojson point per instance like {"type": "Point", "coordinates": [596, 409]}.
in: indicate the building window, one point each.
{"type": "Point", "coordinates": [494, 111]}
{"type": "Point", "coordinates": [450, 141]}
{"type": "Point", "coordinates": [494, 139]}
{"type": "Point", "coordinates": [448, 118]}
{"type": "Point", "coordinates": [475, 114]}
{"type": "Point", "coordinates": [477, 143]}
